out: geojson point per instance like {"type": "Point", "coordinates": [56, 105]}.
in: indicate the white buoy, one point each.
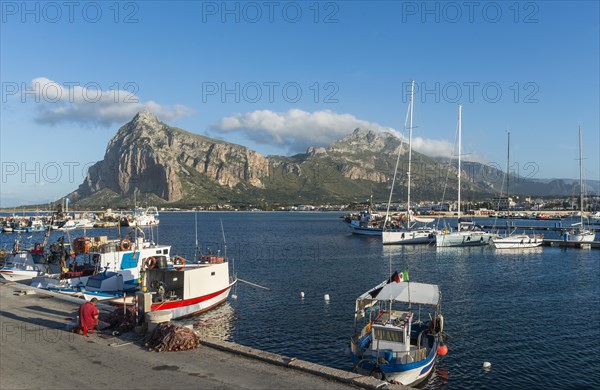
{"type": "Point", "coordinates": [234, 297]}
{"type": "Point", "coordinates": [302, 294]}
{"type": "Point", "coordinates": [326, 297]}
{"type": "Point", "coordinates": [487, 365]}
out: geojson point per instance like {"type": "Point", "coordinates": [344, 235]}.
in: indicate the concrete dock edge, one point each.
{"type": "Point", "coordinates": [366, 382]}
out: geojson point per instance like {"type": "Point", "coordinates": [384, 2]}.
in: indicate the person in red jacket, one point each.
{"type": "Point", "coordinates": [88, 316]}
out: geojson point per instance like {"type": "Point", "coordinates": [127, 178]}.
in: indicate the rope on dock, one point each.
{"type": "Point", "coordinates": [172, 337]}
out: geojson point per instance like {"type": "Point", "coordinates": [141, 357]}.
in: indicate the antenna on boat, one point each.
{"type": "Point", "coordinates": [196, 226]}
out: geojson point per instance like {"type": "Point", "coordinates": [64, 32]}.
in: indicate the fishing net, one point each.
{"type": "Point", "coordinates": [172, 337]}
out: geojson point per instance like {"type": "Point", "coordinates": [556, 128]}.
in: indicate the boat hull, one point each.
{"type": "Point", "coordinates": [463, 239]}
{"type": "Point", "coordinates": [517, 242]}
{"type": "Point", "coordinates": [407, 237]}
{"type": "Point", "coordinates": [18, 275]}
{"type": "Point", "coordinates": [190, 307]}
{"type": "Point", "coordinates": [582, 237]}
{"type": "Point", "coordinates": [409, 374]}
{"type": "Point", "coordinates": [366, 231]}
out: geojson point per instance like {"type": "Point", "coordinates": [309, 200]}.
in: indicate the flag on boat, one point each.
{"type": "Point", "coordinates": [404, 276]}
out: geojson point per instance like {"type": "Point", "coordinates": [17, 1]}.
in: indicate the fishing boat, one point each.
{"type": "Point", "coordinates": [181, 288]}
{"type": "Point", "coordinates": [578, 232]}
{"type": "Point", "coordinates": [467, 234]}
{"type": "Point", "coordinates": [391, 340]}
{"type": "Point", "coordinates": [514, 240]}
{"type": "Point", "coordinates": [24, 265]}
{"type": "Point", "coordinates": [412, 231]}
{"type": "Point", "coordinates": [366, 222]}
{"type": "Point", "coordinates": [119, 259]}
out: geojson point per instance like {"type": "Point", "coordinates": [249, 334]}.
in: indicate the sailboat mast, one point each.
{"type": "Point", "coordinates": [410, 129]}
{"type": "Point", "coordinates": [508, 176]}
{"type": "Point", "coordinates": [580, 180]}
{"type": "Point", "coordinates": [459, 153]}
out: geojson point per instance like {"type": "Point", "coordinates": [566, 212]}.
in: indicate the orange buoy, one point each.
{"type": "Point", "coordinates": [442, 350]}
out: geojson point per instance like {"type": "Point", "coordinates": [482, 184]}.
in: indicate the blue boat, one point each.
{"type": "Point", "coordinates": [391, 341]}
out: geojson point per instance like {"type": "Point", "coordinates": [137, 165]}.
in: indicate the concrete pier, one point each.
{"type": "Point", "coordinates": [37, 352]}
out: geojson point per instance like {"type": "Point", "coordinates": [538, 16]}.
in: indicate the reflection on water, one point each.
{"type": "Point", "coordinates": [216, 323]}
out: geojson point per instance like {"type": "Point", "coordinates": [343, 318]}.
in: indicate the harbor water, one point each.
{"type": "Point", "coordinates": [534, 315]}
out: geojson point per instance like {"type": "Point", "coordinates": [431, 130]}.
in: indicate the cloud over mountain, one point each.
{"type": "Point", "coordinates": [295, 129]}
{"type": "Point", "coordinates": [90, 105]}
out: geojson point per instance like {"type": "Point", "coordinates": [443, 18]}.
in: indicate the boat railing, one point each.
{"type": "Point", "coordinates": [415, 355]}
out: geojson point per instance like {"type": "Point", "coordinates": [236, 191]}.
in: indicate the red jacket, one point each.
{"type": "Point", "coordinates": [88, 315]}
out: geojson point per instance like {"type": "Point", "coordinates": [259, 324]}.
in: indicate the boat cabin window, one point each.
{"type": "Point", "coordinates": [38, 259]}
{"type": "Point", "coordinates": [95, 283]}
{"type": "Point", "coordinates": [394, 335]}
{"type": "Point", "coordinates": [165, 251]}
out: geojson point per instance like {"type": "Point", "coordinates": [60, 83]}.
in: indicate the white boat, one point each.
{"type": "Point", "coordinates": [579, 233]}
{"type": "Point", "coordinates": [518, 241]}
{"type": "Point", "coordinates": [24, 265]}
{"type": "Point", "coordinates": [73, 224]}
{"type": "Point", "coordinates": [142, 218]}
{"type": "Point", "coordinates": [467, 233]}
{"type": "Point", "coordinates": [391, 341]}
{"type": "Point", "coordinates": [124, 258]}
{"type": "Point", "coordinates": [514, 240]}
{"type": "Point", "coordinates": [595, 217]}
{"type": "Point", "coordinates": [412, 232]}
{"type": "Point", "coordinates": [182, 289]}
{"type": "Point", "coordinates": [366, 223]}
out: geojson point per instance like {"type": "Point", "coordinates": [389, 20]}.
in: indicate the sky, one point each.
{"type": "Point", "coordinates": [279, 76]}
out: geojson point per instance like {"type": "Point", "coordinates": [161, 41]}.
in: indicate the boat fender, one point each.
{"type": "Point", "coordinates": [150, 262]}
{"type": "Point", "coordinates": [439, 324]}
{"type": "Point", "coordinates": [178, 263]}
{"type": "Point", "coordinates": [125, 244]}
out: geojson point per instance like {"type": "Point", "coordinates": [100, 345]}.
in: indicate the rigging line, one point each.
{"type": "Point", "coordinates": [448, 169]}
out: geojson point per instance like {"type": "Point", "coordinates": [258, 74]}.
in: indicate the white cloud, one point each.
{"type": "Point", "coordinates": [295, 129]}
{"type": "Point", "coordinates": [58, 103]}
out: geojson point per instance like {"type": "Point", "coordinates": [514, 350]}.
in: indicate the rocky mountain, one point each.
{"type": "Point", "coordinates": [167, 165]}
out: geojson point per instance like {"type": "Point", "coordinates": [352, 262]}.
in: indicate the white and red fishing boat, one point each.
{"type": "Point", "coordinates": [183, 289]}
{"type": "Point", "coordinates": [189, 289]}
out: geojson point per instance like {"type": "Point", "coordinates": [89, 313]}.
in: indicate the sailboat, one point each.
{"type": "Point", "coordinates": [411, 234]}
{"type": "Point", "coordinates": [579, 234]}
{"type": "Point", "coordinates": [514, 240]}
{"type": "Point", "coordinates": [467, 234]}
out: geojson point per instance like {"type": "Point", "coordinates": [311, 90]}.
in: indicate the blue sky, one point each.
{"type": "Point", "coordinates": [296, 74]}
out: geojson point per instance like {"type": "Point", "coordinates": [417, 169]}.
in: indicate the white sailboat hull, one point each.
{"type": "Point", "coordinates": [405, 236]}
{"type": "Point", "coordinates": [517, 242]}
{"type": "Point", "coordinates": [584, 236]}
{"type": "Point", "coordinates": [462, 239]}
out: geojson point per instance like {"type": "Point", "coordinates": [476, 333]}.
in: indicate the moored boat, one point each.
{"type": "Point", "coordinates": [467, 233]}
{"type": "Point", "coordinates": [391, 340]}
{"type": "Point", "coordinates": [180, 288]}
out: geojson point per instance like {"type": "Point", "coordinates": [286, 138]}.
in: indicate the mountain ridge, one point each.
{"type": "Point", "coordinates": [168, 165]}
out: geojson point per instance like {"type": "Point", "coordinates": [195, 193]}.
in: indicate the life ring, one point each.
{"type": "Point", "coordinates": [150, 262]}
{"type": "Point", "coordinates": [178, 263]}
{"type": "Point", "coordinates": [125, 244]}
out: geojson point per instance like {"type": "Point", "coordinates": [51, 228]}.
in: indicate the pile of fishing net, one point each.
{"type": "Point", "coordinates": [169, 336]}
{"type": "Point", "coordinates": [120, 320]}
